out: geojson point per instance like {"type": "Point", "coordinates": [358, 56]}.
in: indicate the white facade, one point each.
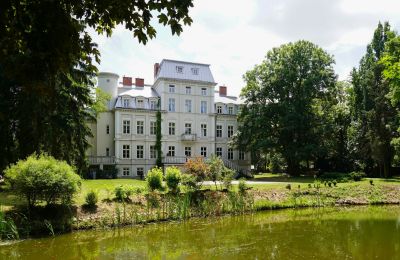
{"type": "Point", "coordinates": [197, 120]}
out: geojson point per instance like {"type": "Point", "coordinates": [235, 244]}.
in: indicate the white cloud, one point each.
{"type": "Point", "coordinates": [234, 35]}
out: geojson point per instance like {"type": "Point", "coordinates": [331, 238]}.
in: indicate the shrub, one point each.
{"type": "Point", "coordinates": [173, 177]}
{"type": "Point", "coordinates": [371, 182]}
{"type": "Point", "coordinates": [91, 199]}
{"type": "Point", "coordinates": [189, 181]}
{"type": "Point", "coordinates": [334, 183]}
{"type": "Point", "coordinates": [216, 166]}
{"type": "Point", "coordinates": [43, 178]}
{"type": "Point", "coordinates": [154, 179]}
{"type": "Point", "coordinates": [242, 186]}
{"type": "Point", "coordinates": [198, 168]}
{"type": "Point", "coordinates": [227, 177]}
{"type": "Point", "coordinates": [357, 176]}
{"type": "Point", "coordinates": [288, 186]}
{"type": "Point", "coordinates": [122, 193]}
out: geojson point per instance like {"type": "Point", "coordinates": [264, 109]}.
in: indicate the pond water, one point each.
{"type": "Point", "coordinates": [330, 233]}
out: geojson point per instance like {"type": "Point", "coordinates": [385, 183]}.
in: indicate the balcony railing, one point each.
{"type": "Point", "coordinates": [101, 160]}
{"type": "Point", "coordinates": [188, 137]}
{"type": "Point", "coordinates": [175, 160]}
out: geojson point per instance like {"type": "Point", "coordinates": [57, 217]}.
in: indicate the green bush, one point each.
{"type": "Point", "coordinates": [357, 176]}
{"type": "Point", "coordinates": [122, 193]}
{"type": "Point", "coordinates": [189, 181]}
{"type": "Point", "coordinates": [173, 177]}
{"type": "Point", "coordinates": [242, 186]}
{"type": "Point", "coordinates": [154, 179]}
{"type": "Point", "coordinates": [43, 178]}
{"type": "Point", "coordinates": [91, 199]}
{"type": "Point", "coordinates": [227, 178]}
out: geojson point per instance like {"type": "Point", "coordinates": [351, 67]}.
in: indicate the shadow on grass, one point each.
{"type": "Point", "coordinates": [284, 178]}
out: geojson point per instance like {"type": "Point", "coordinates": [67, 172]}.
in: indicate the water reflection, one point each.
{"type": "Point", "coordinates": [335, 233]}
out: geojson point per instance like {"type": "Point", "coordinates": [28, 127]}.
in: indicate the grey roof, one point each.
{"type": "Point", "coordinates": [145, 91]}
{"type": "Point", "coordinates": [168, 70]}
{"type": "Point", "coordinates": [226, 99]}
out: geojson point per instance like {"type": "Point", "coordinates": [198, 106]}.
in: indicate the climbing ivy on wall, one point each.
{"type": "Point", "coordinates": [158, 136]}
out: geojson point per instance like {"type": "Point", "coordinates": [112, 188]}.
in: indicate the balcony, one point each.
{"type": "Point", "coordinates": [189, 137]}
{"type": "Point", "coordinates": [97, 160]}
{"type": "Point", "coordinates": [175, 160]}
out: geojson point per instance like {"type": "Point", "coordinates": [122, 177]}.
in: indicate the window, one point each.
{"type": "Point", "coordinates": [203, 108]}
{"type": "Point", "coordinates": [171, 128]}
{"type": "Point", "coordinates": [139, 127]}
{"type": "Point", "coordinates": [188, 128]}
{"type": "Point", "coordinates": [230, 154]}
{"type": "Point", "coordinates": [153, 152]}
{"type": "Point", "coordinates": [139, 152]}
{"type": "Point", "coordinates": [203, 151]}
{"type": "Point", "coordinates": [171, 105]}
{"type": "Point", "coordinates": [219, 109]}
{"type": "Point", "coordinates": [171, 89]}
{"type": "Point", "coordinates": [195, 71]}
{"type": "Point", "coordinates": [140, 171]}
{"type": "Point", "coordinates": [140, 103]}
{"type": "Point", "coordinates": [125, 172]}
{"type": "Point", "coordinates": [126, 102]}
{"type": "Point", "coordinates": [171, 151]}
{"type": "Point", "coordinates": [230, 110]}
{"type": "Point", "coordinates": [126, 149]}
{"type": "Point", "coordinates": [153, 127]}
{"type": "Point", "coordinates": [230, 130]}
{"type": "Point", "coordinates": [188, 151]}
{"type": "Point", "coordinates": [107, 151]}
{"type": "Point", "coordinates": [126, 127]}
{"type": "Point", "coordinates": [219, 130]}
{"type": "Point", "coordinates": [188, 106]}
{"type": "Point", "coordinates": [241, 155]}
{"type": "Point", "coordinates": [203, 130]}
{"type": "Point", "coordinates": [219, 151]}
{"type": "Point", "coordinates": [188, 90]}
{"type": "Point", "coordinates": [179, 69]}
{"type": "Point", "coordinates": [107, 129]}
{"type": "Point", "coordinates": [153, 104]}
{"type": "Point", "coordinates": [203, 91]}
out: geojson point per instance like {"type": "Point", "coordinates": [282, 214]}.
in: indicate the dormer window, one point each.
{"type": "Point", "coordinates": [230, 110]}
{"type": "Point", "coordinates": [140, 103]}
{"type": "Point", "coordinates": [179, 69]}
{"type": "Point", "coordinates": [219, 109]}
{"type": "Point", "coordinates": [153, 104]}
{"type": "Point", "coordinates": [126, 102]}
{"type": "Point", "coordinates": [171, 89]}
{"type": "Point", "coordinates": [195, 71]}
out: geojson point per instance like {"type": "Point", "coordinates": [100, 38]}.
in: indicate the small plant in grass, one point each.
{"type": "Point", "coordinates": [329, 184]}
{"type": "Point", "coordinates": [242, 186]}
{"type": "Point", "coordinates": [173, 177]}
{"type": "Point", "coordinates": [122, 193]}
{"type": "Point", "coordinates": [91, 199]}
{"type": "Point", "coordinates": [288, 186]}
{"type": "Point", "coordinates": [357, 176]}
{"type": "Point", "coordinates": [371, 182]}
{"type": "Point", "coordinates": [310, 186]}
{"type": "Point", "coordinates": [334, 183]}
{"type": "Point", "coordinates": [227, 178]}
{"type": "Point", "coordinates": [154, 179]}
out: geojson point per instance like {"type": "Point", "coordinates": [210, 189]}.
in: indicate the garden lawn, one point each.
{"type": "Point", "coordinates": [105, 188]}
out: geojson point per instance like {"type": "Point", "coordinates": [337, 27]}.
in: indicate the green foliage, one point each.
{"type": "Point", "coordinates": [101, 101]}
{"type": "Point", "coordinates": [123, 193]}
{"type": "Point", "coordinates": [281, 99]}
{"type": "Point", "coordinates": [91, 199]}
{"type": "Point", "coordinates": [189, 182]}
{"type": "Point", "coordinates": [227, 178]}
{"type": "Point", "coordinates": [217, 168]}
{"type": "Point", "coordinates": [357, 176]}
{"type": "Point", "coordinates": [154, 179]}
{"type": "Point", "coordinates": [8, 229]}
{"type": "Point", "coordinates": [276, 163]}
{"type": "Point", "coordinates": [47, 69]}
{"type": "Point", "coordinates": [173, 177]}
{"type": "Point", "coordinates": [198, 168]}
{"type": "Point", "coordinates": [43, 178]}
{"type": "Point", "coordinates": [242, 187]}
{"type": "Point", "coordinates": [288, 186]}
{"type": "Point", "coordinates": [158, 137]}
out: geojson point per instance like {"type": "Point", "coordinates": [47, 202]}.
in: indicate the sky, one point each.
{"type": "Point", "coordinates": [233, 36]}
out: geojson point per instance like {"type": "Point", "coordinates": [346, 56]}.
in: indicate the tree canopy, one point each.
{"type": "Point", "coordinates": [47, 65]}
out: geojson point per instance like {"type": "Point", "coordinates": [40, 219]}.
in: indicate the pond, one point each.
{"type": "Point", "coordinates": [326, 233]}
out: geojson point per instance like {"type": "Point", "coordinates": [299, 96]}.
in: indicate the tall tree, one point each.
{"type": "Point", "coordinates": [280, 98]}
{"type": "Point", "coordinates": [46, 66]}
{"type": "Point", "coordinates": [372, 112]}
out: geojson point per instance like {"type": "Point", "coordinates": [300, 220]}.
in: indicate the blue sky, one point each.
{"type": "Point", "coordinates": [234, 35]}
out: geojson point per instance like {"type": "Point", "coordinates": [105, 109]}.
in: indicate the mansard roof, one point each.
{"type": "Point", "coordinates": [169, 70]}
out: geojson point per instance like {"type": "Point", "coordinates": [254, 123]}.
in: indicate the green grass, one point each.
{"type": "Point", "coordinates": [105, 188]}
{"type": "Point", "coordinates": [279, 177]}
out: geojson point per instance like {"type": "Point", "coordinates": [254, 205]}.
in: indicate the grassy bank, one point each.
{"type": "Point", "coordinates": [273, 192]}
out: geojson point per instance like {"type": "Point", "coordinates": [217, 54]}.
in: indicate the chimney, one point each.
{"type": "Point", "coordinates": [156, 69]}
{"type": "Point", "coordinates": [127, 81]}
{"type": "Point", "coordinates": [139, 82]}
{"type": "Point", "coordinates": [222, 90]}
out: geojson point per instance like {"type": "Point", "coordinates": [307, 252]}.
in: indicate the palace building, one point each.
{"type": "Point", "coordinates": [198, 119]}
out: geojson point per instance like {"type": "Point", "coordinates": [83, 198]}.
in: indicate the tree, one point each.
{"type": "Point", "coordinates": [279, 96]}
{"type": "Point", "coordinates": [372, 112]}
{"type": "Point", "coordinates": [216, 166]}
{"type": "Point", "coordinates": [46, 68]}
